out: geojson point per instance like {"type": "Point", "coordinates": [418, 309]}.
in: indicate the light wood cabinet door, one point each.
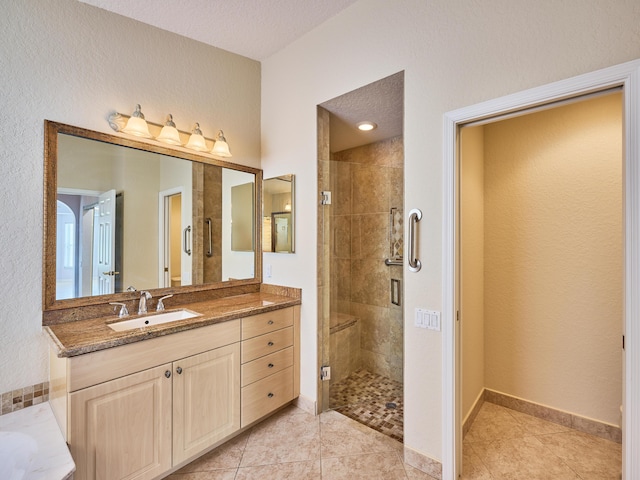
{"type": "Point", "coordinates": [206, 402]}
{"type": "Point", "coordinates": [121, 429]}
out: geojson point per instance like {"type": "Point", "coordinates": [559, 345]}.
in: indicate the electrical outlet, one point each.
{"type": "Point", "coordinates": [267, 270]}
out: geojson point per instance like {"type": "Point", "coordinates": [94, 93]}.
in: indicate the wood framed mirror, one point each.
{"type": "Point", "coordinates": [122, 213]}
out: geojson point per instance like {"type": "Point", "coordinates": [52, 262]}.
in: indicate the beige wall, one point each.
{"type": "Point", "coordinates": [73, 63]}
{"type": "Point", "coordinates": [554, 258]}
{"type": "Point", "coordinates": [454, 53]}
{"type": "Point", "coordinates": [472, 265]}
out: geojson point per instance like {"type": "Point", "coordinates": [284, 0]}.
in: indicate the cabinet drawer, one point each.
{"type": "Point", "coordinates": [266, 344]}
{"type": "Point", "coordinates": [266, 322]}
{"type": "Point", "coordinates": [264, 396]}
{"type": "Point", "coordinates": [267, 365]}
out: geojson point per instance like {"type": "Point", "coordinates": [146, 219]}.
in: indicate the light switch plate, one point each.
{"type": "Point", "coordinates": [429, 319]}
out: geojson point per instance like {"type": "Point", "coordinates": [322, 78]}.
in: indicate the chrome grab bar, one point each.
{"type": "Point", "coordinates": [415, 215]}
{"type": "Point", "coordinates": [210, 251]}
{"type": "Point", "coordinates": [184, 240]}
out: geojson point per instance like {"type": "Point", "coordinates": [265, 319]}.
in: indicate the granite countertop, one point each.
{"type": "Point", "coordinates": [36, 446]}
{"type": "Point", "coordinates": [85, 336]}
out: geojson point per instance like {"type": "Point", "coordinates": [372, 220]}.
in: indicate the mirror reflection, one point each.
{"type": "Point", "coordinates": [129, 217]}
{"type": "Point", "coordinates": [278, 233]}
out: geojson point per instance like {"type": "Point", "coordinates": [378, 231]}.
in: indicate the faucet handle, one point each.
{"type": "Point", "coordinates": [123, 309]}
{"type": "Point", "coordinates": [160, 306]}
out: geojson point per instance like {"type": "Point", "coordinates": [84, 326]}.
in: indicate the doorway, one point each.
{"type": "Point", "coordinates": [361, 181]}
{"type": "Point", "coordinates": [624, 76]}
{"type": "Point", "coordinates": [541, 268]}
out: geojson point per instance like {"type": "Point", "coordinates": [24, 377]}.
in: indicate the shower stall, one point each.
{"type": "Point", "coordinates": [361, 280]}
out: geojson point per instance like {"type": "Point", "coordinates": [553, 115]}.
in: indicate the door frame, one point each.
{"type": "Point", "coordinates": [627, 76]}
{"type": "Point", "coordinates": [163, 232]}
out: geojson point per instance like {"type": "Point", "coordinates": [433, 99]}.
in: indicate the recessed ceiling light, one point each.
{"type": "Point", "coordinates": [367, 126]}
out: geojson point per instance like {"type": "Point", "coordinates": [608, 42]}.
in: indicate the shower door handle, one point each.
{"type": "Point", "coordinates": [186, 242]}
{"type": "Point", "coordinates": [209, 230]}
{"type": "Point", "coordinates": [415, 215]}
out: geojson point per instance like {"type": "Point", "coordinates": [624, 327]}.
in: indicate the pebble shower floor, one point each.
{"type": "Point", "coordinates": [370, 399]}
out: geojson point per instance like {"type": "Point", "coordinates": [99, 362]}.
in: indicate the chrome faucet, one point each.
{"type": "Point", "coordinates": [160, 306]}
{"type": "Point", "coordinates": [142, 306]}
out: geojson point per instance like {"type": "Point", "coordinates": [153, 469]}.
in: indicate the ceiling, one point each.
{"type": "Point", "coordinates": [259, 28]}
{"type": "Point", "coordinates": [380, 102]}
{"type": "Point", "coordinates": [252, 28]}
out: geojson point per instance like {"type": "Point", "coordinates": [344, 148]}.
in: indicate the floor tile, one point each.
{"type": "Point", "coordinates": [472, 466]}
{"type": "Point", "coordinates": [592, 458]}
{"type": "Point", "coordinates": [382, 466]}
{"type": "Point", "coordinates": [212, 475]}
{"type": "Point", "coordinates": [493, 422]}
{"type": "Point", "coordinates": [522, 458]}
{"type": "Point", "coordinates": [227, 455]}
{"type": "Point", "coordinates": [282, 471]}
{"type": "Point", "coordinates": [342, 436]}
{"type": "Point", "coordinates": [289, 436]}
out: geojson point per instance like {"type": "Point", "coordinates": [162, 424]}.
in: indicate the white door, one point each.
{"type": "Point", "coordinates": [104, 235]}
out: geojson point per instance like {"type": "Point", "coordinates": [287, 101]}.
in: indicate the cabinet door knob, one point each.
{"type": "Point", "coordinates": [270, 365]}
{"type": "Point", "coordinates": [270, 322]}
{"type": "Point", "coordinates": [179, 370]}
{"type": "Point", "coordinates": [167, 374]}
{"type": "Point", "coordinates": [270, 395]}
{"type": "Point", "coordinates": [270, 344]}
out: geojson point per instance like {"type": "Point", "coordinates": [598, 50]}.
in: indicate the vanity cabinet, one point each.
{"type": "Point", "coordinates": [268, 363]}
{"type": "Point", "coordinates": [135, 411]}
{"type": "Point", "coordinates": [140, 410]}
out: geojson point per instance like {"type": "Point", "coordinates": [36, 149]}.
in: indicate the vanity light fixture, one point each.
{"type": "Point", "coordinates": [196, 140]}
{"type": "Point", "coordinates": [169, 133]}
{"type": "Point", "coordinates": [137, 125]}
{"type": "Point", "coordinates": [366, 126]}
{"type": "Point", "coordinates": [220, 146]}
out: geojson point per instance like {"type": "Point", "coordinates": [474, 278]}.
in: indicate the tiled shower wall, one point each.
{"type": "Point", "coordinates": [366, 182]}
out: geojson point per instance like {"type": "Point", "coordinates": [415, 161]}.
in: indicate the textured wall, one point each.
{"type": "Point", "coordinates": [453, 53]}
{"type": "Point", "coordinates": [554, 258]}
{"type": "Point", "coordinates": [472, 264]}
{"type": "Point", "coordinates": [69, 62]}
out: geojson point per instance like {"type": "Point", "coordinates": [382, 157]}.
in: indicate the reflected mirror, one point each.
{"type": "Point", "coordinates": [278, 233]}
{"type": "Point", "coordinates": [123, 213]}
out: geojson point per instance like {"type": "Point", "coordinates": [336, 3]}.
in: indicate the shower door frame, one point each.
{"type": "Point", "coordinates": [627, 76]}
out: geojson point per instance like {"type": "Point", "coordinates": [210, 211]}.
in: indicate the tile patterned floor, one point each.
{"type": "Point", "coordinates": [294, 445]}
{"type": "Point", "coordinates": [505, 444]}
{"type": "Point", "coordinates": [363, 397]}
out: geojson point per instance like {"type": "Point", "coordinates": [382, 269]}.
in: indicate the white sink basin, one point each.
{"type": "Point", "coordinates": [153, 319]}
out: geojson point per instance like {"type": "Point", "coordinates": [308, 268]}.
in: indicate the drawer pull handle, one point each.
{"type": "Point", "coordinates": [167, 374]}
{"type": "Point", "coordinates": [270, 322]}
{"type": "Point", "coordinates": [179, 370]}
{"type": "Point", "coordinates": [270, 365]}
{"type": "Point", "coordinates": [270, 344]}
{"type": "Point", "coordinates": [270, 395]}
